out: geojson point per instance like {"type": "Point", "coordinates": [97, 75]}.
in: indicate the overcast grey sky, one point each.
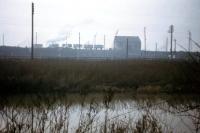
{"type": "Point", "coordinates": [56, 19]}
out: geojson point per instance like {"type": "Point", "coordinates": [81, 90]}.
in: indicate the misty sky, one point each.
{"type": "Point", "coordinates": [56, 19]}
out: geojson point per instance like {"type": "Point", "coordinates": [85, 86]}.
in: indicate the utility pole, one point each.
{"type": "Point", "coordinates": [32, 34]}
{"type": "Point", "coordinates": [114, 47]}
{"type": "Point", "coordinates": [3, 41]}
{"type": "Point", "coordinates": [94, 40]}
{"type": "Point", "coordinates": [167, 47]}
{"type": "Point", "coordinates": [35, 37]}
{"type": "Point", "coordinates": [127, 48]}
{"type": "Point", "coordinates": [145, 41]}
{"type": "Point", "coordinates": [79, 41]}
{"type": "Point", "coordinates": [175, 48]}
{"type": "Point", "coordinates": [104, 42]}
{"type": "Point", "coordinates": [167, 44]}
{"type": "Point", "coordinates": [66, 41]}
{"type": "Point", "coordinates": [79, 44]}
{"type": "Point", "coordinates": [156, 49]}
{"type": "Point", "coordinates": [171, 30]}
{"type": "Point", "coordinates": [189, 41]}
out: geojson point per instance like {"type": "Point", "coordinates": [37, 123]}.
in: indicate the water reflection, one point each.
{"type": "Point", "coordinates": [107, 112]}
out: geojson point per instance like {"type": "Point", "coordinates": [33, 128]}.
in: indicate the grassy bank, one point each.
{"type": "Point", "coordinates": [39, 76]}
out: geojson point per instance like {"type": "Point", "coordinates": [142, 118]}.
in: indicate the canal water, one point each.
{"type": "Point", "coordinates": [104, 112]}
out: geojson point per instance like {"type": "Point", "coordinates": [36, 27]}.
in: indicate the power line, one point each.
{"type": "Point", "coordinates": [181, 46]}
{"type": "Point", "coordinates": [192, 56]}
{"type": "Point", "coordinates": [195, 43]}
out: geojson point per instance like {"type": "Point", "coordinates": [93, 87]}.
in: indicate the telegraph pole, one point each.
{"type": "Point", "coordinates": [145, 41]}
{"type": "Point", "coordinates": [175, 47]}
{"type": "Point", "coordinates": [32, 34]}
{"type": "Point", "coordinates": [171, 30]}
{"type": "Point", "coordinates": [104, 42]}
{"type": "Point", "coordinates": [167, 44]}
{"type": "Point", "coordinates": [189, 41]}
{"type": "Point", "coordinates": [79, 41]}
{"type": "Point", "coordinates": [66, 41]}
{"type": "Point", "coordinates": [3, 41]}
{"type": "Point", "coordinates": [95, 36]}
{"type": "Point", "coordinates": [127, 48]}
{"type": "Point", "coordinates": [35, 37]}
{"type": "Point", "coordinates": [79, 44]}
{"type": "Point", "coordinates": [156, 49]}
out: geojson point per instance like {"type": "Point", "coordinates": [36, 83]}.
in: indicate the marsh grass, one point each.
{"type": "Point", "coordinates": [83, 76]}
{"type": "Point", "coordinates": [149, 89]}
